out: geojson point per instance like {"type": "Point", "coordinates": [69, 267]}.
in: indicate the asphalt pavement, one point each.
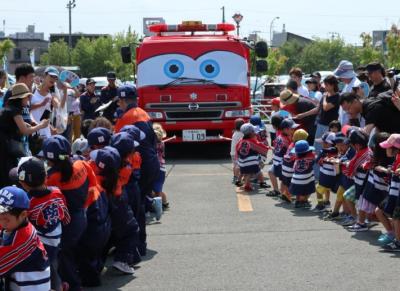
{"type": "Point", "coordinates": [216, 237]}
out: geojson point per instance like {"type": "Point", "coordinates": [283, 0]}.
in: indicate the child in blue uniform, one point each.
{"type": "Point", "coordinates": [376, 187]}
{"type": "Point", "coordinates": [23, 260]}
{"type": "Point", "coordinates": [303, 180]}
{"type": "Point", "coordinates": [284, 133]}
{"type": "Point", "coordinates": [346, 153]}
{"type": "Point", "coordinates": [327, 180]}
{"type": "Point", "coordinates": [47, 211]}
{"type": "Point", "coordinates": [248, 151]}
{"type": "Point", "coordinates": [77, 182]}
{"type": "Point", "coordinates": [357, 171]}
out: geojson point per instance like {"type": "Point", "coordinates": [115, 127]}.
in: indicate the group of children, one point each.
{"type": "Point", "coordinates": [363, 172]}
{"type": "Point", "coordinates": [73, 205]}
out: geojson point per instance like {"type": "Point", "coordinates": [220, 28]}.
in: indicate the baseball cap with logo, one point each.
{"type": "Point", "coordinates": [127, 91]}
{"type": "Point", "coordinates": [12, 197]}
{"type": "Point", "coordinates": [90, 81]}
{"type": "Point", "coordinates": [56, 147]}
{"type": "Point", "coordinates": [288, 123]}
{"type": "Point", "coordinates": [137, 134]}
{"type": "Point", "coordinates": [99, 136]}
{"type": "Point", "coordinates": [328, 137]}
{"type": "Point", "coordinates": [111, 75]}
{"type": "Point", "coordinates": [392, 141]}
{"type": "Point", "coordinates": [107, 158]}
{"type": "Point", "coordinates": [20, 91]}
{"type": "Point", "coordinates": [32, 171]}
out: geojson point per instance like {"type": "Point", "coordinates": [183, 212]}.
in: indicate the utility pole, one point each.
{"type": "Point", "coordinates": [71, 4]}
{"type": "Point", "coordinates": [223, 14]}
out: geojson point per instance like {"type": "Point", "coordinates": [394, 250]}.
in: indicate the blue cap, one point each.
{"type": "Point", "coordinates": [107, 158]}
{"type": "Point", "coordinates": [340, 138]}
{"type": "Point", "coordinates": [302, 147]}
{"type": "Point", "coordinates": [123, 142]}
{"type": "Point", "coordinates": [127, 91]}
{"type": "Point", "coordinates": [56, 147]}
{"type": "Point", "coordinates": [256, 121]}
{"type": "Point", "coordinates": [288, 123]}
{"type": "Point", "coordinates": [52, 71]}
{"type": "Point", "coordinates": [12, 197]}
{"type": "Point", "coordinates": [137, 134]}
{"type": "Point", "coordinates": [99, 136]}
{"type": "Point", "coordinates": [247, 128]}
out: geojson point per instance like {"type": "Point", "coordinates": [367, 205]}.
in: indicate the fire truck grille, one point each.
{"type": "Point", "coordinates": [194, 115]}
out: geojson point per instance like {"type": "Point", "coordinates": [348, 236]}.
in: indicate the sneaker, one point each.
{"type": "Point", "coordinates": [123, 267]}
{"type": "Point", "coordinates": [157, 206]}
{"type": "Point", "coordinates": [386, 238]}
{"type": "Point", "coordinates": [238, 183]}
{"type": "Point", "coordinates": [348, 221]}
{"type": "Point", "coordinates": [358, 227]}
{"type": "Point", "coordinates": [264, 185]}
{"type": "Point", "coordinates": [285, 198]}
{"type": "Point", "coordinates": [371, 223]}
{"type": "Point", "coordinates": [273, 193]}
{"type": "Point", "coordinates": [319, 208]}
{"type": "Point", "coordinates": [327, 205]}
{"type": "Point", "coordinates": [394, 246]}
{"type": "Point", "coordinates": [298, 204]}
{"type": "Point", "coordinates": [165, 206]}
{"type": "Point", "coordinates": [332, 216]}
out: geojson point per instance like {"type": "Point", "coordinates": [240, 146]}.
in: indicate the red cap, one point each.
{"type": "Point", "coordinates": [276, 101]}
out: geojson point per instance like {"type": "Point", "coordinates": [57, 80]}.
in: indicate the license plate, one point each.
{"type": "Point", "coordinates": [194, 135]}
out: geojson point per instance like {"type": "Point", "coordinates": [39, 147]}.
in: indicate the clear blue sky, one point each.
{"type": "Point", "coordinates": [308, 18]}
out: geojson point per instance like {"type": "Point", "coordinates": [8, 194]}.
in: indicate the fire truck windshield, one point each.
{"type": "Point", "coordinates": [185, 80]}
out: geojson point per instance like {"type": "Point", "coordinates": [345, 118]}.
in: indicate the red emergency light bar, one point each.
{"type": "Point", "coordinates": [158, 28]}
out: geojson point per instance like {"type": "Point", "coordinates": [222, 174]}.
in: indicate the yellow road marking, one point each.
{"type": "Point", "coordinates": [244, 202]}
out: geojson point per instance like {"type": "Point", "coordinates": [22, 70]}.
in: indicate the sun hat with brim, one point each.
{"type": "Point", "coordinates": [287, 97]}
{"type": "Point", "coordinates": [20, 91]}
{"type": "Point", "coordinates": [345, 70]}
{"type": "Point", "coordinates": [12, 197]}
{"type": "Point", "coordinates": [392, 142]}
{"type": "Point", "coordinates": [302, 147]}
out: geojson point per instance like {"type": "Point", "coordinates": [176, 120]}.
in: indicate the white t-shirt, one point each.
{"type": "Point", "coordinates": [343, 115]}
{"type": "Point", "coordinates": [37, 113]}
{"type": "Point", "coordinates": [236, 137]}
{"type": "Point", "coordinates": [303, 91]}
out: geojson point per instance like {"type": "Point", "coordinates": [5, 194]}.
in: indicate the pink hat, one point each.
{"type": "Point", "coordinates": [392, 141]}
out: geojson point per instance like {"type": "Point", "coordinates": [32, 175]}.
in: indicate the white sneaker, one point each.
{"type": "Point", "coordinates": [124, 268]}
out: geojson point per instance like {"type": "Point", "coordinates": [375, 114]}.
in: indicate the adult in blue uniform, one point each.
{"type": "Point", "coordinates": [89, 101]}
{"type": "Point", "coordinates": [110, 93]}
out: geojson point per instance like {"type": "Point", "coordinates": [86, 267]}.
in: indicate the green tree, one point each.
{"type": "Point", "coordinates": [276, 62]}
{"type": "Point", "coordinates": [367, 53]}
{"type": "Point", "coordinates": [82, 56]}
{"type": "Point", "coordinates": [393, 45]}
{"type": "Point", "coordinates": [5, 47]}
{"type": "Point", "coordinates": [293, 51]}
{"type": "Point", "coordinates": [58, 54]}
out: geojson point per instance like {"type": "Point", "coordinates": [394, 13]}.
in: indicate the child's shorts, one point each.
{"type": "Point", "coordinates": [365, 205]}
{"type": "Point", "coordinates": [276, 170]}
{"type": "Point", "coordinates": [350, 194]}
{"type": "Point", "coordinates": [159, 183]}
{"type": "Point", "coordinates": [286, 180]}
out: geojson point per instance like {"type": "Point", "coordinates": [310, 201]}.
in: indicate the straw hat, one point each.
{"type": "Point", "coordinates": [287, 97]}
{"type": "Point", "coordinates": [20, 91]}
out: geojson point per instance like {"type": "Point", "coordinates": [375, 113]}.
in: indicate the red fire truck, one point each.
{"type": "Point", "coordinates": [193, 78]}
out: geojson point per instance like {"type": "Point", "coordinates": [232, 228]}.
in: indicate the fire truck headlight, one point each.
{"type": "Point", "coordinates": [155, 115]}
{"type": "Point", "coordinates": [237, 113]}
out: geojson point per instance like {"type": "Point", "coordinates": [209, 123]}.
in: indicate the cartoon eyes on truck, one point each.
{"type": "Point", "coordinates": [222, 67]}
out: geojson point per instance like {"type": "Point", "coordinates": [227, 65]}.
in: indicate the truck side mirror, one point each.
{"type": "Point", "coordinates": [126, 54]}
{"type": "Point", "coordinates": [261, 49]}
{"type": "Point", "coordinates": [261, 66]}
